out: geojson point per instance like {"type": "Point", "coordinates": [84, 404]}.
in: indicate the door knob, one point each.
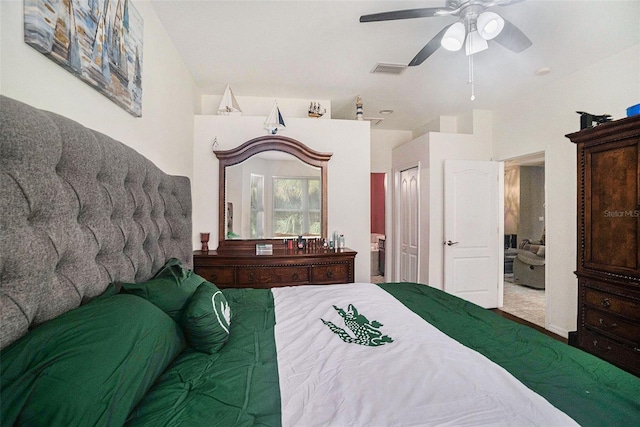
{"type": "Point", "coordinates": [450, 243]}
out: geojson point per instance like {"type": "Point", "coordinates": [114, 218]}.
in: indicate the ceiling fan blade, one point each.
{"type": "Point", "coordinates": [429, 49]}
{"type": "Point", "coordinates": [512, 38]}
{"type": "Point", "coordinates": [424, 12]}
{"type": "Point", "coordinates": [508, 2]}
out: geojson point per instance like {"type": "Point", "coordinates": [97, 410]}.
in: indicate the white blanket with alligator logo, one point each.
{"type": "Point", "coordinates": [353, 355]}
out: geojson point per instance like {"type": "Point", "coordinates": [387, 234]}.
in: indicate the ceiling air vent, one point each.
{"type": "Point", "coordinates": [382, 68]}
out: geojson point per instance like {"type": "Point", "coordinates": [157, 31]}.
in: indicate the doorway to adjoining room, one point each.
{"type": "Point", "coordinates": [378, 236]}
{"type": "Point", "coordinates": [524, 240]}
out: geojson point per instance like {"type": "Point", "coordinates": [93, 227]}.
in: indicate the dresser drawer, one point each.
{"type": "Point", "coordinates": [244, 269]}
{"type": "Point", "coordinates": [612, 325]}
{"type": "Point", "coordinates": [274, 276]}
{"type": "Point", "coordinates": [219, 276]}
{"type": "Point", "coordinates": [612, 303]}
{"type": "Point", "coordinates": [618, 354]}
{"type": "Point", "coordinates": [330, 273]}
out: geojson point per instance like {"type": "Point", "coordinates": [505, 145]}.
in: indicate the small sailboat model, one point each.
{"type": "Point", "coordinates": [274, 120]}
{"type": "Point", "coordinates": [316, 110]}
{"type": "Point", "coordinates": [229, 105]}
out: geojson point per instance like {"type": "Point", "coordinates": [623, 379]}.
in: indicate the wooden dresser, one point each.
{"type": "Point", "coordinates": [608, 264]}
{"type": "Point", "coordinates": [243, 269]}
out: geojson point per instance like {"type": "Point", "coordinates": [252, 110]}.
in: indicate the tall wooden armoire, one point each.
{"type": "Point", "coordinates": [608, 264]}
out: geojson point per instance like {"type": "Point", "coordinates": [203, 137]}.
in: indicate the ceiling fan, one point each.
{"type": "Point", "coordinates": [475, 26]}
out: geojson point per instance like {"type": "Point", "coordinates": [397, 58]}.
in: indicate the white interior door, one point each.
{"type": "Point", "coordinates": [472, 231]}
{"type": "Point", "coordinates": [409, 225]}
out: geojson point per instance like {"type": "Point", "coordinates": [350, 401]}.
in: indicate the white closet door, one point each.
{"type": "Point", "coordinates": [409, 226]}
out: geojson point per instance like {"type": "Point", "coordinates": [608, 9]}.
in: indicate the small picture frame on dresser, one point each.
{"type": "Point", "coordinates": [264, 249]}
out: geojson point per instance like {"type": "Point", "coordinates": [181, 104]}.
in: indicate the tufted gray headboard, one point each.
{"type": "Point", "coordinates": [78, 210]}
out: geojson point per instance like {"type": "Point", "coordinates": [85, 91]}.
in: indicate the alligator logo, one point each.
{"type": "Point", "coordinates": [222, 310]}
{"type": "Point", "coordinates": [364, 332]}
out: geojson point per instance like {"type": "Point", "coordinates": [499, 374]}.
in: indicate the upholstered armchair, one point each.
{"type": "Point", "coordinates": [528, 266]}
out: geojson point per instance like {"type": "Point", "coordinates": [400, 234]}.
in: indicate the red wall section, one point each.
{"type": "Point", "coordinates": [377, 202]}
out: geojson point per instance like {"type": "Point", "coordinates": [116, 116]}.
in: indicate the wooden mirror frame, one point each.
{"type": "Point", "coordinates": [250, 148]}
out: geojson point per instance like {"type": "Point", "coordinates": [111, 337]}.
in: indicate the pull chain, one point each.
{"type": "Point", "coordinates": [473, 93]}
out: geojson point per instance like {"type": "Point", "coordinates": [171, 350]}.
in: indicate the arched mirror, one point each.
{"type": "Point", "coordinates": [271, 187]}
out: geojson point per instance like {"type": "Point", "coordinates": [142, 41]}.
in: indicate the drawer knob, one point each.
{"type": "Point", "coordinates": [595, 344]}
{"type": "Point", "coordinates": [329, 274]}
{"type": "Point", "coordinates": [606, 302]}
{"type": "Point", "coordinates": [295, 276]}
{"type": "Point", "coordinates": [252, 277]}
{"type": "Point", "coordinates": [613, 325]}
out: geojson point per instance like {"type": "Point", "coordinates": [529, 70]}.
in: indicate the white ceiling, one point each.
{"type": "Point", "coordinates": [319, 50]}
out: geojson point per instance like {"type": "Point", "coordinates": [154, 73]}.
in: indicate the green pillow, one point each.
{"type": "Point", "coordinates": [89, 366]}
{"type": "Point", "coordinates": [174, 268]}
{"type": "Point", "coordinates": [170, 289]}
{"type": "Point", "coordinates": [206, 319]}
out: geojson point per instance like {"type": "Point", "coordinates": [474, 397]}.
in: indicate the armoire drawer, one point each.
{"type": "Point", "coordinates": [611, 325]}
{"type": "Point", "coordinates": [610, 350]}
{"type": "Point", "coordinates": [613, 303]}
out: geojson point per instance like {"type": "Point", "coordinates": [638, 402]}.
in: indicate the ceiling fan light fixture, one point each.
{"type": "Point", "coordinates": [475, 43]}
{"type": "Point", "coordinates": [489, 25]}
{"type": "Point", "coordinates": [453, 38]}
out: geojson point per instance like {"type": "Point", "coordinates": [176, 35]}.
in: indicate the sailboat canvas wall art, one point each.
{"type": "Point", "coordinates": [99, 41]}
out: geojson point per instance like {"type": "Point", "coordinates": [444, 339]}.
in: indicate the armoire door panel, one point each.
{"type": "Point", "coordinates": [612, 220]}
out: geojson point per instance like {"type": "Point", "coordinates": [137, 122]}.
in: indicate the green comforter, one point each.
{"type": "Point", "coordinates": [239, 384]}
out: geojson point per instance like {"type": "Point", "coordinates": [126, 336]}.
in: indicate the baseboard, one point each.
{"type": "Point", "coordinates": [531, 325]}
{"type": "Point", "coordinates": [558, 331]}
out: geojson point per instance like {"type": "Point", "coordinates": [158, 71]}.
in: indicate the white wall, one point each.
{"type": "Point", "coordinates": [382, 144]}
{"type": "Point", "coordinates": [348, 173]}
{"type": "Point", "coordinates": [414, 153]}
{"type": "Point", "coordinates": [261, 106]}
{"type": "Point", "coordinates": [538, 122]}
{"type": "Point", "coordinates": [447, 124]}
{"type": "Point", "coordinates": [164, 133]}
{"type": "Point", "coordinates": [446, 146]}
{"type": "Point", "coordinates": [430, 151]}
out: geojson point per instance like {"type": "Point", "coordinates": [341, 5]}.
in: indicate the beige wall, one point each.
{"type": "Point", "coordinates": [164, 133]}
{"type": "Point", "coordinates": [531, 203]}
{"type": "Point", "coordinates": [511, 199]}
{"type": "Point", "coordinates": [538, 122]}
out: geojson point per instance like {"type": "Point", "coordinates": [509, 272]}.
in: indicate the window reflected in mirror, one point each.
{"type": "Point", "coordinates": [296, 206]}
{"type": "Point", "coordinates": [273, 195]}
